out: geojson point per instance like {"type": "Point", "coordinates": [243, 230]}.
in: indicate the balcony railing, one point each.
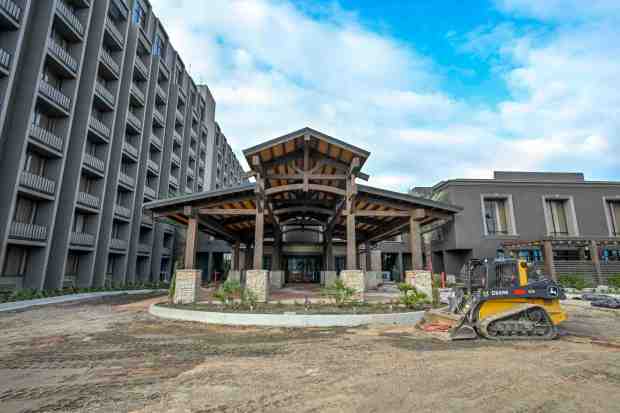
{"type": "Point", "coordinates": [99, 127]}
{"type": "Point", "coordinates": [173, 181]}
{"type": "Point", "coordinates": [104, 93]}
{"type": "Point", "coordinates": [156, 141]}
{"type": "Point", "coordinates": [192, 153]}
{"type": "Point", "coordinates": [126, 179]}
{"type": "Point", "coordinates": [134, 121]}
{"type": "Point", "coordinates": [65, 12]}
{"type": "Point", "coordinates": [83, 239]}
{"type": "Point", "coordinates": [201, 164]}
{"type": "Point", "coordinates": [161, 92]}
{"type": "Point", "coordinates": [114, 32]}
{"type": "Point", "coordinates": [144, 248]}
{"type": "Point", "coordinates": [177, 138]}
{"type": "Point", "coordinates": [164, 67]}
{"type": "Point", "coordinates": [141, 67]}
{"type": "Point", "coordinates": [11, 9]}
{"type": "Point", "coordinates": [88, 200]}
{"type": "Point", "coordinates": [175, 158]}
{"type": "Point", "coordinates": [147, 220]}
{"type": "Point", "coordinates": [190, 172]}
{"type": "Point", "coordinates": [152, 165]}
{"type": "Point", "coordinates": [5, 59]}
{"type": "Point", "coordinates": [55, 95]}
{"type": "Point", "coordinates": [149, 192]}
{"type": "Point", "coordinates": [158, 116]}
{"type": "Point", "coordinates": [63, 55]}
{"type": "Point", "coordinates": [110, 62]}
{"type": "Point", "coordinates": [179, 115]}
{"type": "Point", "coordinates": [122, 211]}
{"type": "Point", "coordinates": [94, 162]}
{"type": "Point", "coordinates": [37, 182]}
{"type": "Point", "coordinates": [31, 232]}
{"type": "Point", "coordinates": [130, 149]}
{"type": "Point", "coordinates": [46, 138]}
{"type": "Point", "coordinates": [137, 92]}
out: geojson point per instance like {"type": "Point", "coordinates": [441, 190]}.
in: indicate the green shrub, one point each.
{"type": "Point", "coordinates": [410, 297]}
{"type": "Point", "coordinates": [338, 293]}
{"type": "Point", "coordinates": [227, 292]}
{"type": "Point", "coordinates": [614, 281]}
{"type": "Point", "coordinates": [248, 298]}
{"type": "Point", "coordinates": [575, 281]}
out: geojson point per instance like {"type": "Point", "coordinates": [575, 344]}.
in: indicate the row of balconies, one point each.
{"type": "Point", "coordinates": [31, 232]}
{"type": "Point", "coordinates": [175, 159]}
{"type": "Point", "coordinates": [141, 67]}
{"type": "Point", "coordinates": [173, 181]}
{"type": "Point", "coordinates": [99, 127]}
{"type": "Point", "coordinates": [47, 138]}
{"type": "Point", "coordinates": [55, 95]}
{"type": "Point", "coordinates": [37, 182]}
{"type": "Point", "coordinates": [71, 19]}
{"type": "Point", "coordinates": [159, 118]}
{"type": "Point", "coordinates": [93, 162]}
{"type": "Point", "coordinates": [118, 244]}
{"type": "Point", "coordinates": [88, 200]}
{"type": "Point", "coordinates": [5, 60]}
{"type": "Point", "coordinates": [63, 55]}
{"type": "Point", "coordinates": [152, 165]}
{"type": "Point", "coordinates": [160, 91]}
{"type": "Point", "coordinates": [82, 239]}
{"type": "Point", "coordinates": [11, 9]}
{"type": "Point", "coordinates": [137, 93]}
{"type": "Point", "coordinates": [109, 61]}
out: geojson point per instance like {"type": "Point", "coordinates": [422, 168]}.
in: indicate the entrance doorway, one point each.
{"type": "Point", "coordinates": [303, 268]}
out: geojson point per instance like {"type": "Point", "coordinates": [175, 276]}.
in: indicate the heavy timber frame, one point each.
{"type": "Point", "coordinates": [304, 181]}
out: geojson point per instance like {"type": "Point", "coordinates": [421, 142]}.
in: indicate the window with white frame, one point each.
{"type": "Point", "coordinates": [560, 217]}
{"type": "Point", "coordinates": [613, 215]}
{"type": "Point", "coordinates": [498, 215]}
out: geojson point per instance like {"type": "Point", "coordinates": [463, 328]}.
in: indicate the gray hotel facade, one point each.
{"type": "Point", "coordinates": [98, 115]}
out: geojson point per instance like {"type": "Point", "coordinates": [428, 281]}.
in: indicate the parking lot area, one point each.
{"type": "Point", "coordinates": [110, 355]}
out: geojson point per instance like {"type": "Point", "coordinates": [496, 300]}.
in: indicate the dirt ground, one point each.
{"type": "Point", "coordinates": [109, 355]}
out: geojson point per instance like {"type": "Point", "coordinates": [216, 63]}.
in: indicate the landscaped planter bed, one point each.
{"type": "Point", "coordinates": [276, 308]}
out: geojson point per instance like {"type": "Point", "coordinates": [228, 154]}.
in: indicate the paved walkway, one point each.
{"type": "Point", "coordinates": [20, 305]}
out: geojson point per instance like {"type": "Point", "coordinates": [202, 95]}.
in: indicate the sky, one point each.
{"type": "Point", "coordinates": [433, 89]}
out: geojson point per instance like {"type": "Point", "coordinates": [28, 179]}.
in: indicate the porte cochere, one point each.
{"type": "Point", "coordinates": [305, 203]}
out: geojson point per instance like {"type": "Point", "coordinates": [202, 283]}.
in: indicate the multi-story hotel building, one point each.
{"type": "Point", "coordinates": [98, 115]}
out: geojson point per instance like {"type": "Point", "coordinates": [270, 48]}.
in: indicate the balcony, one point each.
{"type": "Point", "coordinates": [30, 232]}
{"type": "Point", "coordinates": [137, 94]}
{"type": "Point", "coordinates": [144, 249]}
{"type": "Point", "coordinates": [158, 117]}
{"type": "Point", "coordinates": [173, 181]}
{"type": "Point", "coordinates": [130, 150]}
{"type": "Point", "coordinates": [94, 163]}
{"type": "Point", "coordinates": [149, 192]}
{"type": "Point", "coordinates": [37, 183]}
{"type": "Point", "coordinates": [166, 251]}
{"type": "Point", "coordinates": [88, 200]}
{"type": "Point", "coordinates": [147, 220]}
{"type": "Point", "coordinates": [134, 121]}
{"type": "Point", "coordinates": [161, 93]}
{"type": "Point", "coordinates": [201, 164]}
{"type": "Point", "coordinates": [63, 56]}
{"type": "Point", "coordinates": [190, 172]}
{"type": "Point", "coordinates": [156, 142]}
{"type": "Point", "coordinates": [82, 239]}
{"type": "Point", "coordinates": [177, 138]}
{"type": "Point", "coordinates": [152, 165]}
{"type": "Point", "coordinates": [118, 244]}
{"type": "Point", "coordinates": [122, 211]}
{"type": "Point", "coordinates": [70, 19]}
{"type": "Point", "coordinates": [179, 117]}
{"type": "Point", "coordinates": [192, 153]}
{"type": "Point", "coordinates": [54, 95]}
{"type": "Point", "coordinates": [114, 33]}
{"type": "Point", "coordinates": [164, 68]}
{"type": "Point", "coordinates": [182, 94]}
{"type": "Point", "coordinates": [10, 12]}
{"type": "Point", "coordinates": [99, 127]}
{"type": "Point", "coordinates": [127, 180]}
{"type": "Point", "coordinates": [104, 94]}
{"type": "Point", "coordinates": [175, 159]}
{"type": "Point", "coordinates": [5, 62]}
{"type": "Point", "coordinates": [47, 139]}
{"type": "Point", "coordinates": [141, 68]}
{"type": "Point", "coordinates": [110, 63]}
{"type": "Point", "coordinates": [188, 190]}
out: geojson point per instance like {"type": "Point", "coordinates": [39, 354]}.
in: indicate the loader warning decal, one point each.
{"type": "Point", "coordinates": [553, 291]}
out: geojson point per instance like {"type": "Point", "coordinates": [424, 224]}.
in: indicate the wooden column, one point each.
{"type": "Point", "coordinates": [368, 263]}
{"type": "Point", "coordinates": [235, 256]}
{"type": "Point", "coordinates": [258, 240]}
{"type": "Point", "coordinates": [276, 251]}
{"type": "Point", "coordinates": [191, 242]}
{"type": "Point", "coordinates": [351, 190]}
{"type": "Point", "coordinates": [415, 244]}
{"type": "Point", "coordinates": [596, 260]}
{"type": "Point", "coordinates": [549, 261]}
{"type": "Point", "coordinates": [329, 252]}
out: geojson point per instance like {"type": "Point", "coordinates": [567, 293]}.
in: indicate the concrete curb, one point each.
{"type": "Point", "coordinates": [286, 320]}
{"type": "Point", "coordinates": [20, 305]}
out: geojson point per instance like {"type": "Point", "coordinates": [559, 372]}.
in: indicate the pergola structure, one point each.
{"type": "Point", "coordinates": [304, 181]}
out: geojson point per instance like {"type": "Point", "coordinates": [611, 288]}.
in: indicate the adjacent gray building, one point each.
{"type": "Point", "coordinates": [98, 115]}
{"type": "Point", "coordinates": [520, 212]}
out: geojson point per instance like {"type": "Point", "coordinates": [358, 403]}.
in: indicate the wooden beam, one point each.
{"type": "Point", "coordinates": [383, 233]}
{"type": "Point", "coordinates": [377, 213]}
{"type": "Point", "coordinates": [224, 211]}
{"type": "Point", "coordinates": [289, 210]}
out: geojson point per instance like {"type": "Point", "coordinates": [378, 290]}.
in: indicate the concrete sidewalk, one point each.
{"type": "Point", "coordinates": [20, 305]}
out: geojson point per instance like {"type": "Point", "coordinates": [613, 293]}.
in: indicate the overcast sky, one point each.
{"type": "Point", "coordinates": [434, 89]}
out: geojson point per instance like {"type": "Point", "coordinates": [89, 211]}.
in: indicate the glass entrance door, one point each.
{"type": "Point", "coordinates": [303, 269]}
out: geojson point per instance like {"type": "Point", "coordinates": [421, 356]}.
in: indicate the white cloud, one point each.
{"type": "Point", "coordinates": [273, 69]}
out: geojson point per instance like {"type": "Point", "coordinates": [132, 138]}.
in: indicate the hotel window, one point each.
{"type": "Point", "coordinates": [73, 264]}
{"type": "Point", "coordinates": [16, 262]}
{"type": "Point", "coordinates": [34, 164]}
{"type": "Point", "coordinates": [25, 210]}
{"type": "Point", "coordinates": [79, 223]}
{"type": "Point", "coordinates": [159, 48]}
{"type": "Point", "coordinates": [139, 15]}
{"type": "Point", "coordinates": [498, 215]}
{"type": "Point", "coordinates": [560, 217]}
{"type": "Point", "coordinates": [613, 214]}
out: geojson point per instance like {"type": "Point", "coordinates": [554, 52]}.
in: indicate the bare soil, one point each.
{"type": "Point", "coordinates": [109, 355]}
